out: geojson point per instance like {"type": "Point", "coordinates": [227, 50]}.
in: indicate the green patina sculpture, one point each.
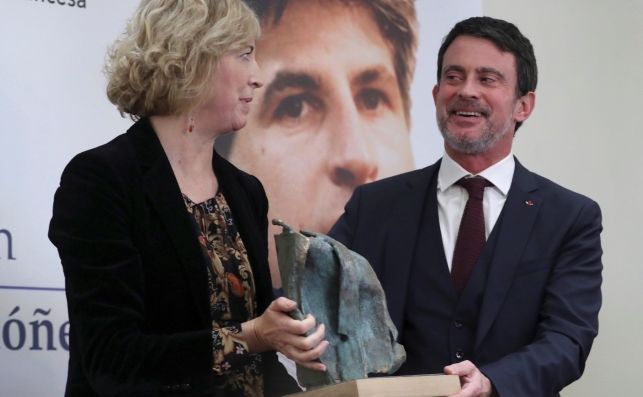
{"type": "Point", "coordinates": [339, 288]}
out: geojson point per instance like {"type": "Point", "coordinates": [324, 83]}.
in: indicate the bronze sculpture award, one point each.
{"type": "Point", "coordinates": [339, 288]}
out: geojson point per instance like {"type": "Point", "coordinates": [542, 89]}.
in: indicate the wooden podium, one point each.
{"type": "Point", "coordinates": [391, 386]}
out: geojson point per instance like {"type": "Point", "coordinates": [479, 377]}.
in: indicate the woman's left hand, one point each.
{"type": "Point", "coordinates": [276, 330]}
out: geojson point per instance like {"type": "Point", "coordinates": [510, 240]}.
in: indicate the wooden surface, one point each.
{"type": "Point", "coordinates": [393, 386]}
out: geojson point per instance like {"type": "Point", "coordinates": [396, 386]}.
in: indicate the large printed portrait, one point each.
{"type": "Point", "coordinates": [335, 108]}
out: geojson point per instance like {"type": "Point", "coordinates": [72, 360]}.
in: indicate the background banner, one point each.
{"type": "Point", "coordinates": [53, 105]}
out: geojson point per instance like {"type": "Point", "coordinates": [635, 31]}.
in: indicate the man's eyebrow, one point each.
{"type": "Point", "coordinates": [285, 80]}
{"type": "Point", "coordinates": [480, 70]}
{"type": "Point", "coordinates": [452, 68]}
{"type": "Point", "coordinates": [483, 70]}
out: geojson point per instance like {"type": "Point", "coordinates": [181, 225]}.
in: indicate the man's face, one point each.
{"type": "Point", "coordinates": [330, 116]}
{"type": "Point", "coordinates": [476, 104]}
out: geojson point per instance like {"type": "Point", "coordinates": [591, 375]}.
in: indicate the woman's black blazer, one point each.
{"type": "Point", "coordinates": [135, 276]}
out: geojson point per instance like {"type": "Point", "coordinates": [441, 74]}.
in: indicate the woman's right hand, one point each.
{"type": "Point", "coordinates": [276, 330]}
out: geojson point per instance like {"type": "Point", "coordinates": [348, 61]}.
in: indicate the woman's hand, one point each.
{"type": "Point", "coordinates": [276, 330]}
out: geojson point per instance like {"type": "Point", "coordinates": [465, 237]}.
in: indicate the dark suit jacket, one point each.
{"type": "Point", "coordinates": [539, 312]}
{"type": "Point", "coordinates": [135, 275]}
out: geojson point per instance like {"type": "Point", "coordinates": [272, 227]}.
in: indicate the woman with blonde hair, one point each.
{"type": "Point", "coordinates": [164, 243]}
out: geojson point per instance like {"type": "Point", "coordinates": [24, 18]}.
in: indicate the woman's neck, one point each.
{"type": "Point", "coordinates": [190, 155]}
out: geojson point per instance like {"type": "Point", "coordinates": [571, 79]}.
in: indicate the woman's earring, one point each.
{"type": "Point", "coordinates": [191, 125]}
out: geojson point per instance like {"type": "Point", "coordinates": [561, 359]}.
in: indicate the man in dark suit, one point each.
{"type": "Point", "coordinates": [499, 284]}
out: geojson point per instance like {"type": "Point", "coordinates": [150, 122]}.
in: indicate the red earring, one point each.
{"type": "Point", "coordinates": [191, 125]}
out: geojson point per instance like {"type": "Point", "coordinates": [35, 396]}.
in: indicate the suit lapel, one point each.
{"type": "Point", "coordinates": [404, 225]}
{"type": "Point", "coordinates": [164, 194]}
{"type": "Point", "coordinates": [515, 224]}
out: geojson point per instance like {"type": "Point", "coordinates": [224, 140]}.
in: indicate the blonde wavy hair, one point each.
{"type": "Point", "coordinates": [170, 49]}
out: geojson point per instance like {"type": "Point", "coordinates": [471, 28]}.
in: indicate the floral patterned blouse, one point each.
{"type": "Point", "coordinates": [232, 296]}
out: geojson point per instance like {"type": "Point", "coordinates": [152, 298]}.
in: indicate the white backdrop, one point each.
{"type": "Point", "coordinates": [52, 92]}
{"type": "Point", "coordinates": [52, 106]}
{"type": "Point", "coordinates": [585, 133]}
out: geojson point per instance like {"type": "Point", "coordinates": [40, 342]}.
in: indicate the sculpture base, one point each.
{"type": "Point", "coordinates": [391, 386]}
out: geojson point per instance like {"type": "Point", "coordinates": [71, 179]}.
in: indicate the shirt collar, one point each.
{"type": "Point", "coordinates": [500, 174]}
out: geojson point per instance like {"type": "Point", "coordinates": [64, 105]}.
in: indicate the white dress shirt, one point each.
{"type": "Point", "coordinates": [452, 198]}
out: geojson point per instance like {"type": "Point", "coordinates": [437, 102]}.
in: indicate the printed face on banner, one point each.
{"type": "Point", "coordinates": [330, 117]}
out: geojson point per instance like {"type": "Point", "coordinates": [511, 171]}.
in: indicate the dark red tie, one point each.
{"type": "Point", "coordinates": [471, 235]}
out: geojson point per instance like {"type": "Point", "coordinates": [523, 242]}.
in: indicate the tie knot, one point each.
{"type": "Point", "coordinates": [475, 186]}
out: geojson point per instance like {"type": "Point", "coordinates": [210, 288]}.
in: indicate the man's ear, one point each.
{"type": "Point", "coordinates": [524, 106]}
{"type": "Point", "coordinates": [435, 90]}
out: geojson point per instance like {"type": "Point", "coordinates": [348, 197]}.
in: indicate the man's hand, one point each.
{"type": "Point", "coordinates": [474, 383]}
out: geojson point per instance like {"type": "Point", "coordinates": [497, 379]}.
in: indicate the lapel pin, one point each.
{"type": "Point", "coordinates": [529, 203]}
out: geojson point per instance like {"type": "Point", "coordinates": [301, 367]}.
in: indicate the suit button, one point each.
{"type": "Point", "coordinates": [457, 323]}
{"type": "Point", "coordinates": [186, 387]}
{"type": "Point", "coordinates": [459, 354]}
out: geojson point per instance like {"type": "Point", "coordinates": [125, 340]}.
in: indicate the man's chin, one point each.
{"type": "Point", "coordinates": [466, 142]}
{"type": "Point", "coordinates": [466, 146]}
